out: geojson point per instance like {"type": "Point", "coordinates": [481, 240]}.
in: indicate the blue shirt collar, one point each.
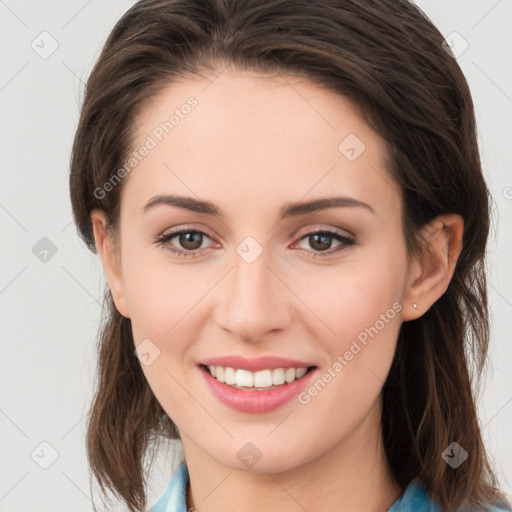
{"type": "Point", "coordinates": [414, 498]}
{"type": "Point", "coordinates": [174, 498]}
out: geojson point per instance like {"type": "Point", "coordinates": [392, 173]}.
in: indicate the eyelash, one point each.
{"type": "Point", "coordinates": [163, 241]}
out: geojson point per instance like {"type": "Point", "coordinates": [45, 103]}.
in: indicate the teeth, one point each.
{"type": "Point", "coordinates": [229, 376]}
{"type": "Point", "coordinates": [300, 372]}
{"type": "Point", "coordinates": [219, 373]}
{"type": "Point", "coordinates": [278, 376]}
{"type": "Point", "coordinates": [261, 379]}
{"type": "Point", "coordinates": [244, 378]}
{"type": "Point", "coordinates": [289, 374]}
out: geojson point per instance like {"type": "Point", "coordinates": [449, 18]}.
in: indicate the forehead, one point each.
{"type": "Point", "coordinates": [245, 137]}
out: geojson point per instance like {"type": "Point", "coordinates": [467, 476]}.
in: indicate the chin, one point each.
{"type": "Point", "coordinates": [254, 458]}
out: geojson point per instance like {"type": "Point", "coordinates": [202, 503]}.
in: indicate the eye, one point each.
{"type": "Point", "coordinates": [190, 239]}
{"type": "Point", "coordinates": [321, 242]}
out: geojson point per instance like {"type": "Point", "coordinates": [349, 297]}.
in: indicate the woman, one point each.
{"type": "Point", "coordinates": [288, 202]}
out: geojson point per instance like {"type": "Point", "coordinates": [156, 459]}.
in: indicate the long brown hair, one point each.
{"type": "Point", "coordinates": [389, 59]}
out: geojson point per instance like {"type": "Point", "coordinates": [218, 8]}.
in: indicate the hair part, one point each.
{"type": "Point", "coordinates": [387, 58]}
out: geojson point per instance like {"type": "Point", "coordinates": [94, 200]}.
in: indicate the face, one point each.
{"type": "Point", "coordinates": [320, 287]}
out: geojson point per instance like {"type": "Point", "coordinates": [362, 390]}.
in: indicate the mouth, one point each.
{"type": "Point", "coordinates": [262, 380]}
{"type": "Point", "coordinates": [256, 392]}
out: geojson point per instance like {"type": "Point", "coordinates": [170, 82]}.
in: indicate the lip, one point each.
{"type": "Point", "coordinates": [254, 365]}
{"type": "Point", "coordinates": [256, 401]}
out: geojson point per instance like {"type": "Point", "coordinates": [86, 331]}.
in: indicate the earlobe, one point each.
{"type": "Point", "coordinates": [110, 259]}
{"type": "Point", "coordinates": [430, 273]}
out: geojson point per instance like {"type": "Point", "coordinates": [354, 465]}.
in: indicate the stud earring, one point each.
{"type": "Point", "coordinates": [414, 305]}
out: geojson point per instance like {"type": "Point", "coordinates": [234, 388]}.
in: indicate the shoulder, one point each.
{"type": "Point", "coordinates": [415, 499]}
{"type": "Point", "coordinates": [174, 497]}
{"type": "Point", "coordinates": [497, 509]}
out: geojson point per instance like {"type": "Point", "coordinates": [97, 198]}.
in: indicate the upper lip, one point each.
{"type": "Point", "coordinates": [253, 365]}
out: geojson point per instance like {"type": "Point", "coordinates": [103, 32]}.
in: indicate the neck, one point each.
{"type": "Point", "coordinates": [349, 477]}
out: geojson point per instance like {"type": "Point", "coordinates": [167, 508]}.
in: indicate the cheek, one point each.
{"type": "Point", "coordinates": [158, 292]}
{"type": "Point", "coordinates": [163, 307]}
{"type": "Point", "coordinates": [358, 359]}
{"type": "Point", "coordinates": [360, 308]}
{"type": "Point", "coordinates": [354, 296]}
{"type": "Point", "coordinates": [370, 304]}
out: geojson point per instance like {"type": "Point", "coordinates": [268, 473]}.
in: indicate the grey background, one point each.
{"type": "Point", "coordinates": [50, 309]}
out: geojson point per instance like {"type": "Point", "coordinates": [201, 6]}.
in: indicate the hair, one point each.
{"type": "Point", "coordinates": [389, 60]}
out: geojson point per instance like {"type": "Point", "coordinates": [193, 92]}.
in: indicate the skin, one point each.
{"type": "Point", "coordinates": [252, 144]}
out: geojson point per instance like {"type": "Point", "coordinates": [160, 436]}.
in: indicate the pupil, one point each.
{"type": "Point", "coordinates": [325, 240]}
{"type": "Point", "coordinates": [188, 238]}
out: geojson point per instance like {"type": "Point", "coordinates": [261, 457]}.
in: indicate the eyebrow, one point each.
{"type": "Point", "coordinates": [288, 210]}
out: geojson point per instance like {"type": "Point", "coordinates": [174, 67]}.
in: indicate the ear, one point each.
{"type": "Point", "coordinates": [110, 258]}
{"type": "Point", "coordinates": [431, 272]}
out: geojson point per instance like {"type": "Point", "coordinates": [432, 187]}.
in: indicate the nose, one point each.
{"type": "Point", "coordinates": [255, 301]}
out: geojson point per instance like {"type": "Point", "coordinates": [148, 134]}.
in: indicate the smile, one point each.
{"type": "Point", "coordinates": [256, 392]}
{"type": "Point", "coordinates": [260, 380]}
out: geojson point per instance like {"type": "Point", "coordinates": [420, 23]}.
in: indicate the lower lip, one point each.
{"type": "Point", "coordinates": [256, 401]}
